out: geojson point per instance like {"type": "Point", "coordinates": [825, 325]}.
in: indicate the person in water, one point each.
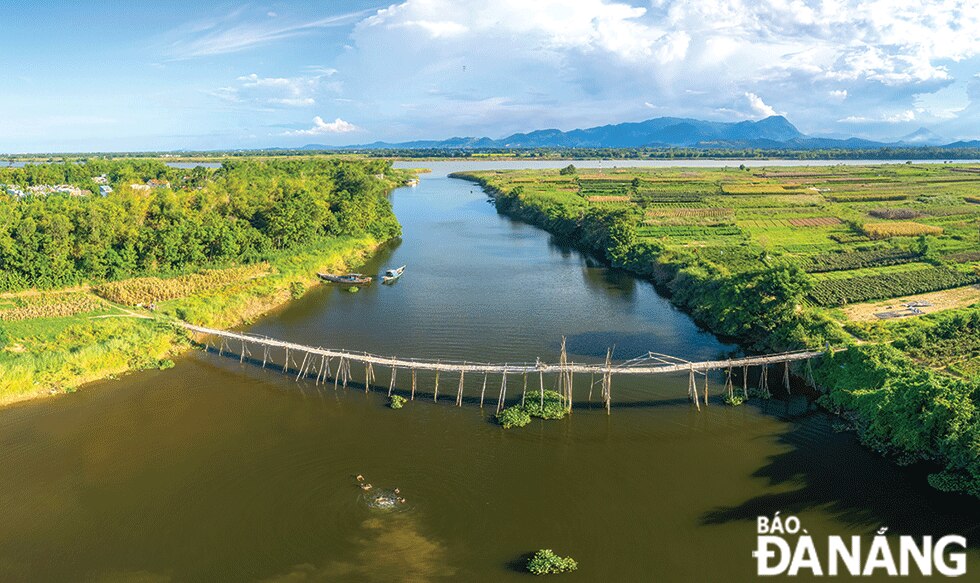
{"type": "Point", "coordinates": [366, 487]}
{"type": "Point", "coordinates": [360, 478]}
{"type": "Point", "coordinates": [401, 500]}
{"type": "Point", "coordinates": [397, 491]}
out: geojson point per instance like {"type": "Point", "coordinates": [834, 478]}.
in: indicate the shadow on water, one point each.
{"type": "Point", "coordinates": [816, 462]}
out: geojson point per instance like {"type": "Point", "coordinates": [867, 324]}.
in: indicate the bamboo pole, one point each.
{"type": "Point", "coordinates": [608, 381]}
{"type": "Point", "coordinates": [242, 358]}
{"type": "Point", "coordinates": [541, 385]}
{"type": "Point", "coordinates": [265, 354]}
{"type": "Point", "coordinates": [302, 366]}
{"type": "Point", "coordinates": [413, 384]}
{"type": "Point", "coordinates": [706, 373]}
{"type": "Point", "coordinates": [745, 381]}
{"type": "Point", "coordinates": [483, 391]}
{"type": "Point", "coordinates": [728, 385]}
{"type": "Point", "coordinates": [435, 393]}
{"type": "Point", "coordinates": [391, 385]}
{"type": "Point", "coordinates": [591, 386]}
{"type": "Point", "coordinates": [571, 389]}
{"type": "Point", "coordinates": [503, 392]}
{"type": "Point", "coordinates": [524, 390]}
{"type": "Point", "coordinates": [285, 365]}
{"type": "Point", "coordinates": [459, 392]}
{"type": "Point", "coordinates": [786, 377]}
{"type": "Point", "coordinates": [691, 388]}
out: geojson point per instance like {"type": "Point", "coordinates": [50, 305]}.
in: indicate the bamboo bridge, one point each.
{"type": "Point", "coordinates": [323, 364]}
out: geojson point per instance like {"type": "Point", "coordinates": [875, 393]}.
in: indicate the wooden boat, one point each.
{"type": "Point", "coordinates": [392, 275]}
{"type": "Point", "coordinates": [347, 278]}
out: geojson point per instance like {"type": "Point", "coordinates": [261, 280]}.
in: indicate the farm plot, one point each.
{"type": "Point", "coordinates": [837, 292]}
{"type": "Point", "coordinates": [844, 261]}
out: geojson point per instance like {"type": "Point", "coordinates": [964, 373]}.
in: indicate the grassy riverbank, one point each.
{"type": "Point", "coordinates": [54, 355]}
{"type": "Point", "coordinates": [774, 258]}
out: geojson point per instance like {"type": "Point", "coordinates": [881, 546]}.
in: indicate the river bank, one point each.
{"type": "Point", "coordinates": [903, 407]}
{"type": "Point", "coordinates": [48, 356]}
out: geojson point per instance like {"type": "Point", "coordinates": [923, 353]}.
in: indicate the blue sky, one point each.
{"type": "Point", "coordinates": [125, 75]}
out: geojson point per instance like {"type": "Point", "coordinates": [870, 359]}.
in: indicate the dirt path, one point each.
{"type": "Point", "coordinates": [960, 297]}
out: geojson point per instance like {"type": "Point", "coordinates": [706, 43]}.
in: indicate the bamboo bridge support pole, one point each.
{"type": "Point", "coordinates": [728, 385]}
{"type": "Point", "coordinates": [221, 346]}
{"type": "Point", "coordinates": [265, 355]}
{"type": "Point", "coordinates": [691, 388]}
{"type": "Point", "coordinates": [242, 357]}
{"type": "Point", "coordinates": [336, 376]}
{"type": "Point", "coordinates": [591, 386]}
{"type": "Point", "coordinates": [809, 375]}
{"type": "Point", "coordinates": [503, 392]}
{"type": "Point", "coordinates": [329, 373]}
{"type": "Point", "coordinates": [607, 381]}
{"type": "Point", "coordinates": [706, 373]}
{"type": "Point", "coordinates": [368, 376]}
{"type": "Point", "coordinates": [346, 371]}
{"type": "Point", "coordinates": [764, 381]}
{"type": "Point", "coordinates": [435, 393]}
{"type": "Point", "coordinates": [483, 391]}
{"type": "Point", "coordinates": [524, 390]}
{"type": "Point", "coordinates": [786, 377]}
{"type": "Point", "coordinates": [285, 364]}
{"type": "Point", "coordinates": [302, 366]}
{"type": "Point", "coordinates": [413, 384]}
{"type": "Point", "coordinates": [391, 385]}
{"type": "Point", "coordinates": [459, 391]}
{"type": "Point", "coordinates": [541, 385]}
{"type": "Point", "coordinates": [571, 389]}
{"type": "Point", "coordinates": [563, 374]}
{"type": "Point", "coordinates": [323, 363]}
{"type": "Point", "coordinates": [745, 382]}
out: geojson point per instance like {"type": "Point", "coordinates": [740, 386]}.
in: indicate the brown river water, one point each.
{"type": "Point", "coordinates": [221, 471]}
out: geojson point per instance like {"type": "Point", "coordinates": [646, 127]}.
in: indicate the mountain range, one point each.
{"type": "Point", "coordinates": [774, 132]}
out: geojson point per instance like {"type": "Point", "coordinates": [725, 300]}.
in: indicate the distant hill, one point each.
{"type": "Point", "coordinates": [774, 132]}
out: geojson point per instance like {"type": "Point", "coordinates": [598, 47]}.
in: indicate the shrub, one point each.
{"type": "Point", "coordinates": [546, 562]}
{"type": "Point", "coordinates": [4, 337]}
{"type": "Point", "coordinates": [734, 400]}
{"type": "Point", "coordinates": [396, 402]}
{"type": "Point", "coordinates": [567, 170]}
{"type": "Point", "coordinates": [552, 409]}
{"type": "Point", "coordinates": [514, 416]}
{"type": "Point", "coordinates": [296, 289]}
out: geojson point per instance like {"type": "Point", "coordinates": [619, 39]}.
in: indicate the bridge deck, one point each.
{"type": "Point", "coordinates": [643, 368]}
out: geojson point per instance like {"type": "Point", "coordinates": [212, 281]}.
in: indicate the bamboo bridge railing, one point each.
{"type": "Point", "coordinates": [323, 364]}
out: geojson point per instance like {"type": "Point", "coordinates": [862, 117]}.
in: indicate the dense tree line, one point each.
{"type": "Point", "coordinates": [238, 213]}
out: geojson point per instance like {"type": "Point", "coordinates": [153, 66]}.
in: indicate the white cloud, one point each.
{"type": "Point", "coordinates": [898, 117]}
{"type": "Point", "coordinates": [758, 106]}
{"type": "Point", "coordinates": [435, 28]}
{"type": "Point", "coordinates": [299, 91]}
{"type": "Point", "coordinates": [320, 127]}
{"type": "Point", "coordinates": [500, 66]}
{"type": "Point", "coordinates": [233, 33]}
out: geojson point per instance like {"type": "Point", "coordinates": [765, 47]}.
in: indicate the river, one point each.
{"type": "Point", "coordinates": [221, 471]}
